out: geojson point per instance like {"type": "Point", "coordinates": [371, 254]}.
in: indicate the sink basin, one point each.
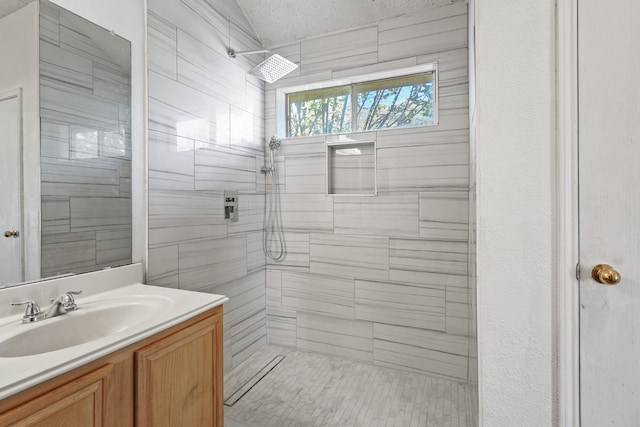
{"type": "Point", "coordinates": [91, 321]}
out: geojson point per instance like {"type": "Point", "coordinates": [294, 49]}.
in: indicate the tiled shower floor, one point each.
{"type": "Point", "coordinates": [315, 390]}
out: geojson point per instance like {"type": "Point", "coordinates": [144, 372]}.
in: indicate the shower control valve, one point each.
{"type": "Point", "coordinates": [231, 206]}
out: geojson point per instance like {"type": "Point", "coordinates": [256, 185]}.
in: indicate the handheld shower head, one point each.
{"type": "Point", "coordinates": [274, 143]}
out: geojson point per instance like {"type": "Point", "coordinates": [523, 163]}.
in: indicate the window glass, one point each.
{"type": "Point", "coordinates": [380, 104]}
{"type": "Point", "coordinates": [397, 102]}
{"type": "Point", "coordinates": [321, 111]}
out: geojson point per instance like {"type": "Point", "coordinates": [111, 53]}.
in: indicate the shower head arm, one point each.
{"type": "Point", "coordinates": [232, 53]}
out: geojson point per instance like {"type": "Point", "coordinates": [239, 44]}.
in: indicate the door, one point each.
{"type": "Point", "coordinates": [609, 181]}
{"type": "Point", "coordinates": [10, 188]}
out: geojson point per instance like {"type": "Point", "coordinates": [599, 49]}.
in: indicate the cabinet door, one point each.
{"type": "Point", "coordinates": [179, 378]}
{"type": "Point", "coordinates": [78, 403]}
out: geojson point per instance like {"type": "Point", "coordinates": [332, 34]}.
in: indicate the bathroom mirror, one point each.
{"type": "Point", "coordinates": [70, 181]}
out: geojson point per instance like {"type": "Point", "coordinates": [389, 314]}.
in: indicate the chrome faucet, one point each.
{"type": "Point", "coordinates": [61, 305]}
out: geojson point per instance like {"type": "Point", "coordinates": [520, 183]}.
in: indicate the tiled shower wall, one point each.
{"type": "Point", "coordinates": [206, 127]}
{"type": "Point", "coordinates": [380, 279]}
{"type": "Point", "coordinates": [85, 146]}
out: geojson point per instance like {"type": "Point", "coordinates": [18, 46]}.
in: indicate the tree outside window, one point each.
{"type": "Point", "coordinates": [381, 104]}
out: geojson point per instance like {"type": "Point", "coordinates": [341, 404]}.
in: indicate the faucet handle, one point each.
{"type": "Point", "coordinates": [33, 309]}
{"type": "Point", "coordinates": [67, 300]}
{"type": "Point", "coordinates": [32, 313]}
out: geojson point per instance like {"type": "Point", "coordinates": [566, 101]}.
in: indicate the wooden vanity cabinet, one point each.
{"type": "Point", "coordinates": [177, 380]}
{"type": "Point", "coordinates": [173, 378]}
{"type": "Point", "coordinates": [77, 403]}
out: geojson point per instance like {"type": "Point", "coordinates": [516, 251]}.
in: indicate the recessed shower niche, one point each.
{"type": "Point", "coordinates": [351, 168]}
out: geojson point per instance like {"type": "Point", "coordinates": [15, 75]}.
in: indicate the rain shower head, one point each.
{"type": "Point", "coordinates": [269, 70]}
{"type": "Point", "coordinates": [273, 68]}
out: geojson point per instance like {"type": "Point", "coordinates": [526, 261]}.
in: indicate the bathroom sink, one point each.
{"type": "Point", "coordinates": [91, 321]}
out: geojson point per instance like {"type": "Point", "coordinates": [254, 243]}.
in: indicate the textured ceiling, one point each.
{"type": "Point", "coordinates": [277, 22]}
{"type": "Point", "coordinates": [7, 7]}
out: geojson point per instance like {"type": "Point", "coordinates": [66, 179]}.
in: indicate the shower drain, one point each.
{"type": "Point", "coordinates": [246, 387]}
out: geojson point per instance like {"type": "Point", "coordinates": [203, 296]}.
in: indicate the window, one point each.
{"type": "Point", "coordinates": [320, 111]}
{"type": "Point", "coordinates": [379, 104]}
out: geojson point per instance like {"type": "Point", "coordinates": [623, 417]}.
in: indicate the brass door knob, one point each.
{"type": "Point", "coordinates": [15, 234]}
{"type": "Point", "coordinates": [605, 274]}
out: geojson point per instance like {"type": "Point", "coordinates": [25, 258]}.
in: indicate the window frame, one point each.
{"type": "Point", "coordinates": [283, 108]}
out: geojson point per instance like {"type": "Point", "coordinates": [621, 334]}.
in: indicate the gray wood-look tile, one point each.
{"type": "Point", "coordinates": [55, 140]}
{"type": "Point", "coordinates": [208, 70]}
{"type": "Point", "coordinates": [99, 213]}
{"type": "Point", "coordinates": [281, 330]}
{"type": "Point", "coordinates": [255, 255]}
{"type": "Point", "coordinates": [342, 337]}
{"type": "Point", "coordinates": [213, 261]}
{"type": "Point", "coordinates": [171, 162]}
{"type": "Point", "coordinates": [209, 14]}
{"type": "Point", "coordinates": [319, 294]}
{"type": "Point", "coordinates": [250, 214]}
{"type": "Point", "coordinates": [444, 215]}
{"type": "Point", "coordinates": [179, 14]}
{"type": "Point", "coordinates": [202, 117]}
{"type": "Point", "coordinates": [423, 338]}
{"type": "Point", "coordinates": [247, 129]}
{"type": "Point", "coordinates": [232, 11]}
{"type": "Point", "coordinates": [274, 295]}
{"type": "Point", "coordinates": [161, 46]}
{"type": "Point", "coordinates": [423, 167]}
{"type": "Point", "coordinates": [163, 266]}
{"type": "Point", "coordinates": [389, 214]}
{"type": "Point", "coordinates": [434, 30]}
{"type": "Point", "coordinates": [55, 215]}
{"type": "Point", "coordinates": [297, 253]}
{"type": "Point", "coordinates": [241, 40]}
{"type": "Point", "coordinates": [66, 252]}
{"type": "Point", "coordinates": [181, 216]}
{"type": "Point", "coordinates": [222, 169]}
{"type": "Point", "coordinates": [305, 174]}
{"type": "Point", "coordinates": [247, 298]}
{"type": "Point", "coordinates": [418, 306]}
{"type": "Point", "coordinates": [429, 262]}
{"type": "Point", "coordinates": [113, 246]}
{"type": "Point", "coordinates": [307, 212]}
{"type": "Point", "coordinates": [50, 24]}
{"type": "Point", "coordinates": [356, 47]}
{"type": "Point", "coordinates": [349, 256]}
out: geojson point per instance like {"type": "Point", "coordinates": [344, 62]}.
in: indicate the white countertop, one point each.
{"type": "Point", "coordinates": [20, 373]}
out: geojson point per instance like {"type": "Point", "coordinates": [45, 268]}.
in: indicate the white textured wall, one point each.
{"type": "Point", "coordinates": [127, 19]}
{"type": "Point", "coordinates": [515, 193]}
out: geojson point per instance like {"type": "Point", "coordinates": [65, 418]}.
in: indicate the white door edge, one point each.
{"type": "Point", "coordinates": [567, 215]}
{"type": "Point", "coordinates": [17, 94]}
